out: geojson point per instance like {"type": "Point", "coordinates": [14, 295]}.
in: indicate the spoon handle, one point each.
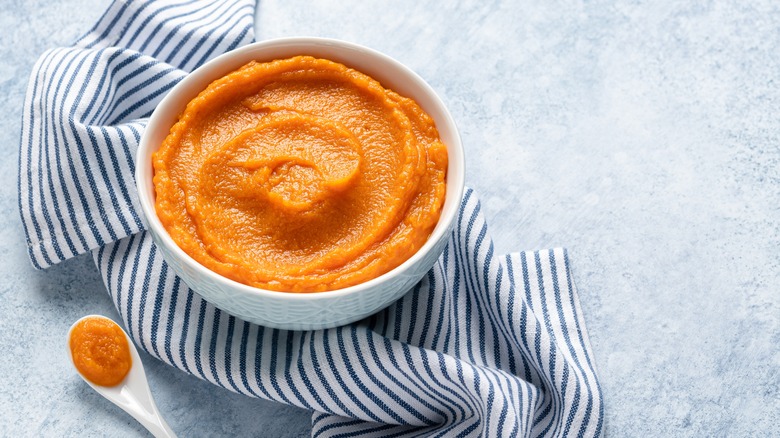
{"type": "Point", "coordinates": [137, 401]}
{"type": "Point", "coordinates": [162, 430]}
{"type": "Point", "coordinates": [154, 424]}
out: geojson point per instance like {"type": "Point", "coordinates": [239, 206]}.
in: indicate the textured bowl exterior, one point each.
{"type": "Point", "coordinates": [302, 311]}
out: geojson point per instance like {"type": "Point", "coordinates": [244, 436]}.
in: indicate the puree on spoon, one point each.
{"type": "Point", "coordinates": [100, 351]}
{"type": "Point", "coordinates": [300, 175]}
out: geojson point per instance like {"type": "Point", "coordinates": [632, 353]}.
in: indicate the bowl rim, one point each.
{"type": "Point", "coordinates": [144, 170]}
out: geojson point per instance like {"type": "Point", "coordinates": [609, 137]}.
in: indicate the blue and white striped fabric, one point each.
{"type": "Point", "coordinates": [485, 345]}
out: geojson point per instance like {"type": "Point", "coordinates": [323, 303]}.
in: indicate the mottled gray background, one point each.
{"type": "Point", "coordinates": [643, 136]}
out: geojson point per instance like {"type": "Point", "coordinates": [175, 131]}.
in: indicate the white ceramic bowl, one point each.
{"type": "Point", "coordinates": [302, 311]}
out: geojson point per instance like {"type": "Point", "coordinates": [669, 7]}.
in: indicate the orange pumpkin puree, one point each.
{"type": "Point", "coordinates": [300, 175]}
{"type": "Point", "coordinates": [100, 351]}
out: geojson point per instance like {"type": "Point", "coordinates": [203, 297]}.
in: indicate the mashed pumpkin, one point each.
{"type": "Point", "coordinates": [300, 175]}
{"type": "Point", "coordinates": [100, 351]}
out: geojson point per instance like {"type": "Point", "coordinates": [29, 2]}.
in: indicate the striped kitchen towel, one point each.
{"type": "Point", "coordinates": [484, 345]}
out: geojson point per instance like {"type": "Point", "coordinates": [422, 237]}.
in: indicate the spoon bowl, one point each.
{"type": "Point", "coordinates": [132, 394]}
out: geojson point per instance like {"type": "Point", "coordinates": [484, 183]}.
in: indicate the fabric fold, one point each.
{"type": "Point", "coordinates": [84, 114]}
{"type": "Point", "coordinates": [484, 345]}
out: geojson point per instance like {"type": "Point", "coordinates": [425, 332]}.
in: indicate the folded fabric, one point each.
{"type": "Point", "coordinates": [484, 345]}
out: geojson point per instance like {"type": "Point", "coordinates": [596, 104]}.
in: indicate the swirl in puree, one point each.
{"type": "Point", "coordinates": [300, 175]}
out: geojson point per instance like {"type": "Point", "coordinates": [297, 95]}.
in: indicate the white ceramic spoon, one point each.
{"type": "Point", "coordinates": [133, 394]}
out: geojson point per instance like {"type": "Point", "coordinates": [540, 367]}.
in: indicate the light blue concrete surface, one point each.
{"type": "Point", "coordinates": [643, 136]}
